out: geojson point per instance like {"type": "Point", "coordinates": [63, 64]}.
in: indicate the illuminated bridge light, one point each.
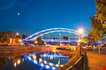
{"type": "Point", "coordinates": [44, 55]}
{"type": "Point", "coordinates": [51, 64]}
{"type": "Point", "coordinates": [35, 62]}
{"type": "Point", "coordinates": [53, 68]}
{"type": "Point", "coordinates": [29, 58]}
{"type": "Point", "coordinates": [45, 62]}
{"type": "Point", "coordinates": [47, 66]}
{"type": "Point", "coordinates": [34, 57]}
{"type": "Point", "coordinates": [42, 65]}
{"type": "Point", "coordinates": [40, 60]}
{"type": "Point", "coordinates": [57, 65]}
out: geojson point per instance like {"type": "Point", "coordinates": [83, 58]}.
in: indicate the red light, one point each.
{"type": "Point", "coordinates": [104, 68]}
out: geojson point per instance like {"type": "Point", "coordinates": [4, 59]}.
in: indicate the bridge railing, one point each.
{"type": "Point", "coordinates": [78, 62]}
{"type": "Point", "coordinates": [71, 61]}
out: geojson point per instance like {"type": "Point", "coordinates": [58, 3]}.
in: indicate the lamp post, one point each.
{"type": "Point", "coordinates": [80, 32]}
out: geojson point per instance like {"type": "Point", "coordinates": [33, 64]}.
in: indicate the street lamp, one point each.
{"type": "Point", "coordinates": [80, 33]}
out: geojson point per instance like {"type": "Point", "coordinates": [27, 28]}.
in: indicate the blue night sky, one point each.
{"type": "Point", "coordinates": [29, 16]}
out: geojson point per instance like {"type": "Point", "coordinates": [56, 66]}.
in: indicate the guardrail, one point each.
{"type": "Point", "coordinates": [77, 63]}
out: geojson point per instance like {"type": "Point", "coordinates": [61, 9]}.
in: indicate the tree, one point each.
{"type": "Point", "coordinates": [39, 41]}
{"type": "Point", "coordinates": [94, 36]}
{"type": "Point", "coordinates": [4, 37]}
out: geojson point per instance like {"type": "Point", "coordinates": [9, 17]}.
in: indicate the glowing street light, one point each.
{"type": "Point", "coordinates": [80, 30]}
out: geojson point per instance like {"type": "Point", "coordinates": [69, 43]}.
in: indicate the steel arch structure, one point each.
{"type": "Point", "coordinates": [47, 31]}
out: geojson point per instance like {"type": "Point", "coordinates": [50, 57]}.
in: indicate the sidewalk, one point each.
{"type": "Point", "coordinates": [96, 61]}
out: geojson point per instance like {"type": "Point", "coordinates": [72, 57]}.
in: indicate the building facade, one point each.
{"type": "Point", "coordinates": [9, 38]}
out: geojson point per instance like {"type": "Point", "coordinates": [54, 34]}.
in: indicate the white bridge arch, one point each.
{"type": "Point", "coordinates": [51, 30]}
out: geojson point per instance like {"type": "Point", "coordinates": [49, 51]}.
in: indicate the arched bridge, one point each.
{"type": "Point", "coordinates": [47, 31]}
{"type": "Point", "coordinates": [34, 36]}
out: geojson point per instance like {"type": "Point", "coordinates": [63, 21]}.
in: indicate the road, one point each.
{"type": "Point", "coordinates": [96, 61]}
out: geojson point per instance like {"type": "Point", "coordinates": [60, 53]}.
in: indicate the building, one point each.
{"type": "Point", "coordinates": [9, 38]}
